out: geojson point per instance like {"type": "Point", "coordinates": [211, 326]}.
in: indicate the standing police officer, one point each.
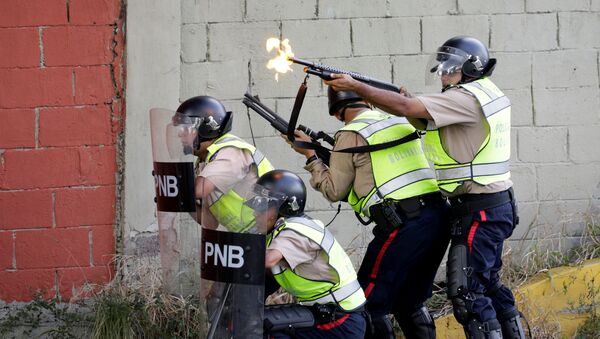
{"type": "Point", "coordinates": [468, 140]}
{"type": "Point", "coordinates": [307, 261]}
{"type": "Point", "coordinates": [395, 188]}
{"type": "Point", "coordinates": [224, 161]}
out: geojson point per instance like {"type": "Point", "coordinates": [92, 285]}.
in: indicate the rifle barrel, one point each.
{"type": "Point", "coordinates": [324, 71]}
{"type": "Point", "coordinates": [281, 125]}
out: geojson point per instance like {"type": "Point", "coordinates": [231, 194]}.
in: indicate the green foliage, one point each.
{"type": "Point", "coordinates": [115, 313]}
{"type": "Point", "coordinates": [68, 322]}
{"type": "Point", "coordinates": [135, 315]}
{"type": "Point", "coordinates": [590, 329]}
{"type": "Point", "coordinates": [113, 317]}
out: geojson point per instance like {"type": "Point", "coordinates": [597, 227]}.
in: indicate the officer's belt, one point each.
{"type": "Point", "coordinates": [424, 200]}
{"type": "Point", "coordinates": [328, 313]}
{"type": "Point", "coordinates": [408, 207]}
{"type": "Point", "coordinates": [466, 204]}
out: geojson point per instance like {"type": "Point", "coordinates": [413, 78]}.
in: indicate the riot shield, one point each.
{"type": "Point", "coordinates": [233, 271]}
{"type": "Point", "coordinates": [179, 231]}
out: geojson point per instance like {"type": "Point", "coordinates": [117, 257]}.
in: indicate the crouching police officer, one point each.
{"type": "Point", "coordinates": [225, 162]}
{"type": "Point", "coordinates": [307, 261]}
{"type": "Point", "coordinates": [468, 140]}
{"type": "Point", "coordinates": [394, 187]}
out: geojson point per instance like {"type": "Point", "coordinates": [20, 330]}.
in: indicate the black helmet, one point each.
{"type": "Point", "coordinates": [207, 114]}
{"type": "Point", "coordinates": [463, 53]}
{"type": "Point", "coordinates": [286, 190]}
{"type": "Point", "coordinates": [338, 99]}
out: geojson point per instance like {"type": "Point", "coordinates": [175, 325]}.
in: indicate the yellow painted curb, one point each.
{"type": "Point", "coordinates": [553, 301]}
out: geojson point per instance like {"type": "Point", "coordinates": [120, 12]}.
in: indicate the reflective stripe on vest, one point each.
{"type": "Point", "coordinates": [398, 183]}
{"type": "Point", "coordinates": [339, 294]}
{"type": "Point", "coordinates": [401, 171]}
{"type": "Point", "coordinates": [228, 208]}
{"type": "Point", "coordinates": [491, 163]}
{"type": "Point", "coordinates": [475, 170]}
{"type": "Point", "coordinates": [346, 292]}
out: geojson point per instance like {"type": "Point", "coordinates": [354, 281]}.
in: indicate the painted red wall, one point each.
{"type": "Point", "coordinates": [61, 113]}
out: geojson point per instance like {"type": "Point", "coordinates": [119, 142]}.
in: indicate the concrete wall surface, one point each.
{"type": "Point", "coordinates": [548, 57]}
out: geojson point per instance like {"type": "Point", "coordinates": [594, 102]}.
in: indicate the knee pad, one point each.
{"type": "Point", "coordinates": [457, 271]}
{"type": "Point", "coordinates": [486, 330]}
{"type": "Point", "coordinates": [418, 325]}
{"type": "Point", "coordinates": [510, 321]}
{"type": "Point", "coordinates": [382, 328]}
{"type": "Point", "coordinates": [421, 316]}
{"type": "Point", "coordinates": [460, 310]}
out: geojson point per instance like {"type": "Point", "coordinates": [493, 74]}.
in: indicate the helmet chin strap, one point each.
{"type": "Point", "coordinates": [343, 112]}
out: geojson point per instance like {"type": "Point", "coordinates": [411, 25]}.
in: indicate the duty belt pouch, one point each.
{"type": "Point", "coordinates": [324, 313]}
{"type": "Point", "coordinates": [386, 219]}
{"type": "Point", "coordinates": [288, 318]}
{"type": "Point", "coordinates": [388, 208]}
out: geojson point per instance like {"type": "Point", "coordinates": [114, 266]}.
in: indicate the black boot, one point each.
{"type": "Point", "coordinates": [487, 330]}
{"type": "Point", "coordinates": [418, 325]}
{"type": "Point", "coordinates": [510, 320]}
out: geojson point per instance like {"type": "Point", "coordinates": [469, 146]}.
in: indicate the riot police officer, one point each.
{"type": "Point", "coordinates": [307, 261]}
{"type": "Point", "coordinates": [468, 140]}
{"type": "Point", "coordinates": [395, 188]}
{"type": "Point", "coordinates": [224, 160]}
{"type": "Point", "coordinates": [226, 168]}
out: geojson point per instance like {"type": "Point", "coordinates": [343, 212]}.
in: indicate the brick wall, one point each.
{"type": "Point", "coordinates": [61, 112]}
{"type": "Point", "coordinates": [548, 56]}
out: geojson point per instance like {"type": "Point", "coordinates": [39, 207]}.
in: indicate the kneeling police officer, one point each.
{"type": "Point", "coordinates": [307, 261]}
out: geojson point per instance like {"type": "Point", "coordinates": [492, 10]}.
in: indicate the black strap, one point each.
{"type": "Point", "coordinates": [361, 149]}
{"type": "Point", "coordinates": [361, 220]}
{"type": "Point", "coordinates": [377, 147]}
{"type": "Point", "coordinates": [296, 109]}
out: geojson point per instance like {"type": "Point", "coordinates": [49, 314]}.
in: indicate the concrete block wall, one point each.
{"type": "Point", "coordinates": [61, 110]}
{"type": "Point", "coordinates": [548, 57]}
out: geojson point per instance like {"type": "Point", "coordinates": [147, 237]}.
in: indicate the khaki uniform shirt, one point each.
{"type": "Point", "coordinates": [303, 256]}
{"type": "Point", "coordinates": [229, 167]}
{"type": "Point", "coordinates": [346, 170]}
{"type": "Point", "coordinates": [463, 128]}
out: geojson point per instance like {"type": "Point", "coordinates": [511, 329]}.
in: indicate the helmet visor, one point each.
{"type": "Point", "coordinates": [265, 203]}
{"type": "Point", "coordinates": [181, 135]}
{"type": "Point", "coordinates": [183, 119]}
{"type": "Point", "coordinates": [446, 60]}
{"type": "Point", "coordinates": [261, 199]}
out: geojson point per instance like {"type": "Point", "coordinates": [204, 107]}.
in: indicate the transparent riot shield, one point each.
{"type": "Point", "coordinates": [179, 231]}
{"type": "Point", "coordinates": [233, 266]}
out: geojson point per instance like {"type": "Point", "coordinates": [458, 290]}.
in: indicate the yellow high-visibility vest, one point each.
{"type": "Point", "coordinates": [491, 163]}
{"type": "Point", "coordinates": [228, 208]}
{"type": "Point", "coordinates": [400, 171]}
{"type": "Point", "coordinates": [345, 290]}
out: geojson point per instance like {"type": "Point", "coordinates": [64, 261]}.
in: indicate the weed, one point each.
{"type": "Point", "coordinates": [134, 305]}
{"type": "Point", "coordinates": [68, 320]}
